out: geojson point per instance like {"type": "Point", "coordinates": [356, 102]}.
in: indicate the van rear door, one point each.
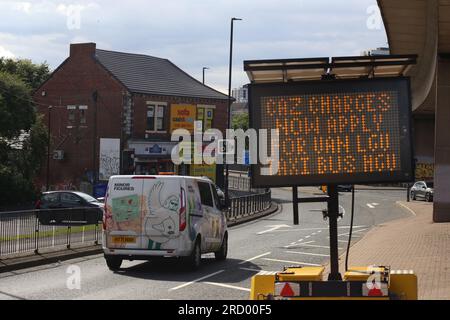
{"type": "Point", "coordinates": [164, 212]}
{"type": "Point", "coordinates": [123, 213]}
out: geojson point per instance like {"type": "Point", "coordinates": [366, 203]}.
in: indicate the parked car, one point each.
{"type": "Point", "coordinates": [345, 187]}
{"type": "Point", "coordinates": [422, 189]}
{"type": "Point", "coordinates": [163, 216]}
{"type": "Point", "coordinates": [68, 207]}
{"type": "Point", "coordinates": [340, 187]}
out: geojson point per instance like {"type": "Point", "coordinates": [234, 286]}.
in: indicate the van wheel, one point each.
{"type": "Point", "coordinates": [113, 263]}
{"type": "Point", "coordinates": [222, 253]}
{"type": "Point", "coordinates": [195, 258]}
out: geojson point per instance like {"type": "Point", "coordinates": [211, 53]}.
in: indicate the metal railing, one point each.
{"type": "Point", "coordinates": [241, 207]}
{"type": "Point", "coordinates": [33, 230]}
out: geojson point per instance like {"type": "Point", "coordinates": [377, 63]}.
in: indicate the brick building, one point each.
{"type": "Point", "coordinates": [114, 112]}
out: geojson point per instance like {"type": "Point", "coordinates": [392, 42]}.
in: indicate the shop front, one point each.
{"type": "Point", "coordinates": [152, 157]}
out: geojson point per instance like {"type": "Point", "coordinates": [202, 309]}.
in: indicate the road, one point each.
{"type": "Point", "coordinates": [264, 245]}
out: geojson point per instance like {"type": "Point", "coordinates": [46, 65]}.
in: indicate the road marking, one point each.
{"type": "Point", "coordinates": [196, 280]}
{"type": "Point", "coordinates": [315, 246]}
{"type": "Point", "coordinates": [274, 227]}
{"type": "Point", "coordinates": [370, 206]}
{"type": "Point", "coordinates": [259, 271]}
{"type": "Point", "coordinates": [295, 262]}
{"type": "Point", "coordinates": [294, 244]}
{"type": "Point", "coordinates": [307, 237]}
{"type": "Point", "coordinates": [353, 235]}
{"type": "Point", "coordinates": [227, 286]}
{"type": "Point", "coordinates": [250, 269]}
{"type": "Point", "coordinates": [309, 253]}
{"type": "Point", "coordinates": [406, 207]}
{"type": "Point", "coordinates": [254, 258]}
{"type": "Point", "coordinates": [311, 229]}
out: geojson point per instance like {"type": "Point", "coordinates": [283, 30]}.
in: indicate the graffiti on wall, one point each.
{"type": "Point", "coordinates": [109, 158]}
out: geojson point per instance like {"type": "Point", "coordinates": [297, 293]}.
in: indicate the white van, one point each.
{"type": "Point", "coordinates": [165, 216]}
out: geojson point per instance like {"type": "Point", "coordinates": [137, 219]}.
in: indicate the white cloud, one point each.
{"type": "Point", "coordinates": [6, 53]}
{"type": "Point", "coordinates": [23, 6]}
{"type": "Point", "coordinates": [191, 33]}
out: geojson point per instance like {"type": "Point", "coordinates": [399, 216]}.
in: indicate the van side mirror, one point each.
{"type": "Point", "coordinates": [223, 203]}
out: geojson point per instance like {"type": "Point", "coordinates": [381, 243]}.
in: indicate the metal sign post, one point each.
{"type": "Point", "coordinates": [333, 213]}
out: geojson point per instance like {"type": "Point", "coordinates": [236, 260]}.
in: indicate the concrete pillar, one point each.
{"type": "Point", "coordinates": [441, 205]}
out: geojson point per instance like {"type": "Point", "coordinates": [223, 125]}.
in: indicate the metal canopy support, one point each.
{"type": "Point", "coordinates": [295, 204]}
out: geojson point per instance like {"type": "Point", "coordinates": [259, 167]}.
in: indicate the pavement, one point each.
{"type": "Point", "coordinates": [266, 244]}
{"type": "Point", "coordinates": [413, 242]}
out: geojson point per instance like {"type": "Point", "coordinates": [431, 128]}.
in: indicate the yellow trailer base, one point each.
{"type": "Point", "coordinates": [306, 283]}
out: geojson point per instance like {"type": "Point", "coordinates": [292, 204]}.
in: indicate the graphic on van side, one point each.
{"type": "Point", "coordinates": [160, 224]}
{"type": "Point", "coordinates": [125, 208]}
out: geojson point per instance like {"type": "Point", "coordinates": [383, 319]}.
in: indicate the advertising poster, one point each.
{"type": "Point", "coordinates": [182, 116]}
{"type": "Point", "coordinates": [204, 170]}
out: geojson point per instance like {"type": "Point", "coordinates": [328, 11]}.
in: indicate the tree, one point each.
{"type": "Point", "coordinates": [240, 121]}
{"type": "Point", "coordinates": [23, 135]}
{"type": "Point", "coordinates": [17, 113]}
{"type": "Point", "coordinates": [30, 73]}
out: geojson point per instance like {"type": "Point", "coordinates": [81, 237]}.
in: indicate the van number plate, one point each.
{"type": "Point", "coordinates": [122, 239]}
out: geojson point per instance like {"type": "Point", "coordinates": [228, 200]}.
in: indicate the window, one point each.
{"type": "Point", "coordinates": [82, 116]}
{"type": "Point", "coordinates": [205, 114]}
{"type": "Point", "coordinates": [205, 193]}
{"type": "Point", "coordinates": [216, 197]}
{"type": "Point", "coordinates": [50, 198]}
{"type": "Point", "coordinates": [69, 198]}
{"type": "Point", "coordinates": [155, 117]}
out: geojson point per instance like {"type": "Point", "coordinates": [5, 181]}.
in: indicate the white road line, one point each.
{"type": "Point", "coordinates": [295, 262]}
{"type": "Point", "coordinates": [307, 237]}
{"type": "Point", "coordinates": [315, 246]}
{"type": "Point", "coordinates": [311, 229]}
{"type": "Point", "coordinates": [294, 244]}
{"type": "Point", "coordinates": [309, 253]}
{"type": "Point", "coordinates": [405, 207]}
{"type": "Point", "coordinates": [370, 206]}
{"type": "Point", "coordinates": [250, 269]}
{"type": "Point", "coordinates": [273, 228]}
{"type": "Point", "coordinates": [196, 280]}
{"type": "Point", "coordinates": [254, 258]}
{"type": "Point", "coordinates": [348, 233]}
{"type": "Point", "coordinates": [227, 286]}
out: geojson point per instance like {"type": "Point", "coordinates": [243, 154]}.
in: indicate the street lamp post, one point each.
{"type": "Point", "coordinates": [229, 106]}
{"type": "Point", "coordinates": [203, 72]}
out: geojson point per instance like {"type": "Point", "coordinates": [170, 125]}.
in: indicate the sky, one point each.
{"type": "Point", "coordinates": [192, 33]}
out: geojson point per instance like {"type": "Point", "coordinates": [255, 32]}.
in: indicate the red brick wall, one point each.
{"type": "Point", "coordinates": [140, 113]}
{"type": "Point", "coordinates": [73, 83]}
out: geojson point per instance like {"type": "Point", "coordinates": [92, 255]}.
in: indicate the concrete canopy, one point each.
{"type": "Point", "coordinates": [419, 27]}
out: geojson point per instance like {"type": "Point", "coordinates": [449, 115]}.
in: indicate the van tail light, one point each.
{"type": "Point", "coordinates": [38, 204]}
{"type": "Point", "coordinates": [105, 211]}
{"type": "Point", "coordinates": [182, 210]}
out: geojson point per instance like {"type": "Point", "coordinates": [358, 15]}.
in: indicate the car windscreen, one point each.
{"type": "Point", "coordinates": [86, 197]}
{"type": "Point", "coordinates": [430, 185]}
